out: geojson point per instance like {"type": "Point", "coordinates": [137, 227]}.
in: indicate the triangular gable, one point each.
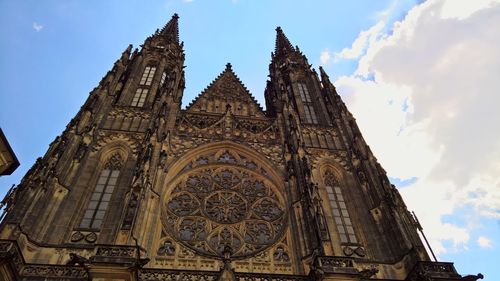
{"type": "Point", "coordinates": [226, 89]}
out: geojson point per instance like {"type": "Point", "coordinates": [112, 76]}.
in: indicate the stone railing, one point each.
{"type": "Point", "coordinates": [331, 264]}
{"type": "Point", "coordinates": [428, 270]}
{"type": "Point", "coordinates": [269, 277]}
{"type": "Point", "coordinates": [10, 253]}
{"type": "Point", "coordinates": [115, 254]}
{"type": "Point", "coordinates": [188, 275]}
{"type": "Point", "coordinates": [176, 275]}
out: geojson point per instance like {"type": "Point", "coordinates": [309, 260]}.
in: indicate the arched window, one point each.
{"type": "Point", "coordinates": [338, 205]}
{"type": "Point", "coordinates": [147, 75]}
{"type": "Point", "coordinates": [96, 209]}
{"type": "Point", "coordinates": [142, 91]}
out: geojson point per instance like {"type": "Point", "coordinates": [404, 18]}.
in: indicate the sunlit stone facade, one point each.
{"type": "Point", "coordinates": [136, 188]}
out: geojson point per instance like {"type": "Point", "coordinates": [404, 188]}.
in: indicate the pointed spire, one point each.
{"type": "Point", "coordinates": [283, 45]}
{"type": "Point", "coordinates": [324, 76]}
{"type": "Point", "coordinates": [325, 80]}
{"type": "Point", "coordinates": [171, 30]}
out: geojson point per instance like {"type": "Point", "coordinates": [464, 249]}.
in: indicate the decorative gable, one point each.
{"type": "Point", "coordinates": [226, 92]}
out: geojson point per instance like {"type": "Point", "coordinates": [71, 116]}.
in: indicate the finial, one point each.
{"type": "Point", "coordinates": [278, 28]}
{"type": "Point", "coordinates": [229, 66]}
{"type": "Point", "coordinates": [175, 16]}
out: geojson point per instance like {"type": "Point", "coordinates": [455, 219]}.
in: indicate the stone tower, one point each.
{"type": "Point", "coordinates": [136, 188]}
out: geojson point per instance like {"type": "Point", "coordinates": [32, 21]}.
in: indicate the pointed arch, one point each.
{"type": "Point", "coordinates": [112, 160]}
{"type": "Point", "coordinates": [234, 149]}
{"type": "Point", "coordinates": [224, 195]}
{"type": "Point", "coordinates": [333, 180]}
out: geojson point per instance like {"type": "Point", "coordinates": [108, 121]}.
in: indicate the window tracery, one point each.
{"type": "Point", "coordinates": [213, 207]}
{"type": "Point", "coordinates": [338, 206]}
{"type": "Point", "coordinates": [310, 114]}
{"type": "Point", "coordinates": [99, 201]}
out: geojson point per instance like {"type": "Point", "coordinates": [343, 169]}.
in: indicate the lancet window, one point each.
{"type": "Point", "coordinates": [310, 114]}
{"type": "Point", "coordinates": [338, 206]}
{"type": "Point", "coordinates": [147, 75]}
{"type": "Point", "coordinates": [140, 97]}
{"type": "Point", "coordinates": [163, 77]}
{"type": "Point", "coordinates": [142, 91]}
{"type": "Point", "coordinates": [99, 201]}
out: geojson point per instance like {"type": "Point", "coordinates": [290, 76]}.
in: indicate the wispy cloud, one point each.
{"type": "Point", "coordinates": [187, 1]}
{"type": "Point", "coordinates": [324, 57]}
{"type": "Point", "coordinates": [37, 27]}
{"type": "Point", "coordinates": [484, 242]}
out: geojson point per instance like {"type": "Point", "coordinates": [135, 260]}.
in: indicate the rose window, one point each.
{"type": "Point", "coordinates": [211, 209]}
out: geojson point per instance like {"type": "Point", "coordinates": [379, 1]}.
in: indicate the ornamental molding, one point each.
{"type": "Point", "coordinates": [130, 140]}
{"type": "Point", "coordinates": [319, 157]}
{"type": "Point", "coordinates": [228, 126]}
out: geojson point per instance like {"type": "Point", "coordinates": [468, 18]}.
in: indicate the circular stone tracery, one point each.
{"type": "Point", "coordinates": [211, 209]}
{"type": "Point", "coordinates": [225, 207]}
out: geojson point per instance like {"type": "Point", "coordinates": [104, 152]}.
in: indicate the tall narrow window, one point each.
{"type": "Point", "coordinates": [96, 209]}
{"type": "Point", "coordinates": [304, 93]}
{"type": "Point", "coordinates": [163, 77]}
{"type": "Point", "coordinates": [340, 214]}
{"type": "Point", "coordinates": [310, 114]}
{"type": "Point", "coordinates": [147, 75]}
{"type": "Point", "coordinates": [140, 97]}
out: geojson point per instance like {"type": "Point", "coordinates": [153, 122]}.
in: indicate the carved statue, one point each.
{"type": "Point", "coordinates": [75, 259]}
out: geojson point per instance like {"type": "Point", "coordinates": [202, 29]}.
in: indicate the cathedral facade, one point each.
{"type": "Point", "coordinates": [137, 188]}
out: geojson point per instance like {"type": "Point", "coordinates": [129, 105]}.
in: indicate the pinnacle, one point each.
{"type": "Point", "coordinates": [282, 45]}
{"type": "Point", "coordinates": [171, 30]}
{"type": "Point", "coordinates": [229, 66]}
{"type": "Point", "coordinates": [323, 73]}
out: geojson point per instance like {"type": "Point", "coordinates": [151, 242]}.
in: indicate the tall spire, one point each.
{"type": "Point", "coordinates": [283, 45]}
{"type": "Point", "coordinates": [171, 30]}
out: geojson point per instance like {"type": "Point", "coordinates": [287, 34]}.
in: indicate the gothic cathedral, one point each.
{"type": "Point", "coordinates": [137, 188]}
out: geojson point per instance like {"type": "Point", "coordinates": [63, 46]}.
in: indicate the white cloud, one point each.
{"type": "Point", "coordinates": [324, 57]}
{"type": "Point", "coordinates": [187, 1]}
{"type": "Point", "coordinates": [364, 39]}
{"type": "Point", "coordinates": [429, 109]}
{"type": "Point", "coordinates": [484, 242]}
{"type": "Point", "coordinates": [37, 27]}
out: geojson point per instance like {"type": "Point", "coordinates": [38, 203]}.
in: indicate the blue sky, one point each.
{"type": "Point", "coordinates": [418, 76]}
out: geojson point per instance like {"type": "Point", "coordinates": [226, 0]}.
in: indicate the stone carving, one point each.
{"type": "Point", "coordinates": [354, 250]}
{"type": "Point", "coordinates": [368, 272]}
{"type": "Point", "coordinates": [75, 259]}
{"type": "Point", "coordinates": [132, 140]}
{"type": "Point", "coordinates": [211, 209]}
{"type": "Point", "coordinates": [131, 208]}
{"type": "Point", "coordinates": [159, 275]}
{"type": "Point", "coordinates": [91, 237]}
{"type": "Point", "coordinates": [77, 236]}
{"type": "Point", "coordinates": [167, 249]}
{"type": "Point", "coordinates": [71, 273]}
{"type": "Point", "coordinates": [127, 252]}
{"type": "Point", "coordinates": [228, 126]}
{"type": "Point", "coordinates": [280, 254]}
